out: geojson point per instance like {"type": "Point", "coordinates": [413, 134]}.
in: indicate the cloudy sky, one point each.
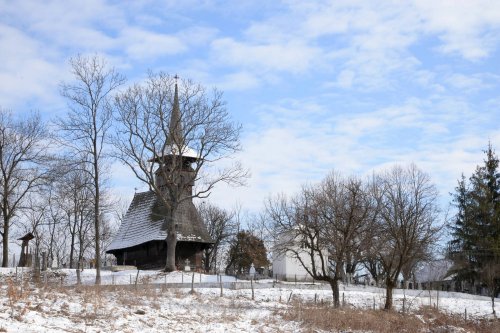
{"type": "Point", "coordinates": [317, 85]}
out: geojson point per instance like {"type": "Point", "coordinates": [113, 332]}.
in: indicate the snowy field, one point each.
{"type": "Point", "coordinates": [153, 305]}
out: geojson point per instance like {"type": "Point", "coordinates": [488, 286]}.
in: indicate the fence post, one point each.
{"type": "Point", "coordinates": [192, 284]}
{"type": "Point", "coordinates": [465, 314]}
{"type": "Point", "coordinates": [343, 299]}
{"type": "Point", "coordinates": [404, 300]}
{"type": "Point", "coordinates": [221, 293]}
{"type": "Point", "coordinates": [251, 284]}
{"type": "Point", "coordinates": [136, 279]}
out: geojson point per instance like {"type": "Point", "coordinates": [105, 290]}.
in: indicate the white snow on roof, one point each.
{"type": "Point", "coordinates": [186, 151]}
{"type": "Point", "coordinates": [138, 227]}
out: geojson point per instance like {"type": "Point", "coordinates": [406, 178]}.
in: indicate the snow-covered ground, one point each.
{"type": "Point", "coordinates": [154, 305]}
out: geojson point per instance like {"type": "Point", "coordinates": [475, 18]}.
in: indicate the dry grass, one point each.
{"type": "Point", "coordinates": [326, 318]}
{"type": "Point", "coordinates": [18, 295]}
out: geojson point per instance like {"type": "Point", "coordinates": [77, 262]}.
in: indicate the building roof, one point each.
{"type": "Point", "coordinates": [175, 136]}
{"type": "Point", "coordinates": [185, 151]}
{"type": "Point", "coordinates": [27, 237]}
{"type": "Point", "coordinates": [143, 223]}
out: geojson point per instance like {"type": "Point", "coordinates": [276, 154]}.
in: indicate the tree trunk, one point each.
{"type": "Point", "coordinates": [5, 244]}
{"type": "Point", "coordinates": [97, 235]}
{"type": "Point", "coordinates": [97, 203]}
{"type": "Point", "coordinates": [388, 294]}
{"type": "Point", "coordinates": [78, 276]}
{"type": "Point", "coordinates": [206, 255]}
{"type": "Point", "coordinates": [171, 240]}
{"type": "Point", "coordinates": [72, 251]}
{"type": "Point", "coordinates": [334, 284]}
{"type": "Point", "coordinates": [171, 244]}
{"type": "Point", "coordinates": [97, 253]}
{"type": "Point", "coordinates": [493, 303]}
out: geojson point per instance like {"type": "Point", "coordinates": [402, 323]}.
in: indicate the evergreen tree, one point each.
{"type": "Point", "coordinates": [463, 246]}
{"type": "Point", "coordinates": [475, 248]}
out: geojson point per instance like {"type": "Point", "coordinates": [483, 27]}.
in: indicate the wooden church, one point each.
{"type": "Point", "coordinates": [141, 238]}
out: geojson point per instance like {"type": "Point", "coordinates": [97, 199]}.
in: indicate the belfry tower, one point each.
{"type": "Point", "coordinates": [141, 238]}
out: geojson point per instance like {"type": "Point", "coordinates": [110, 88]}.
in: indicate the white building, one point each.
{"type": "Point", "coordinates": [287, 266]}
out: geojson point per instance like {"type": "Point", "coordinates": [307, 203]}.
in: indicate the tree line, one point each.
{"type": "Point", "coordinates": [54, 176]}
{"type": "Point", "coordinates": [388, 223]}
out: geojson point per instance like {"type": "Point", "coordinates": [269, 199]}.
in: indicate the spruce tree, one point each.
{"type": "Point", "coordinates": [463, 245]}
{"type": "Point", "coordinates": [475, 247]}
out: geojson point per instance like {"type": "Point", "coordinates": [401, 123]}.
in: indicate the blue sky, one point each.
{"type": "Point", "coordinates": [354, 86]}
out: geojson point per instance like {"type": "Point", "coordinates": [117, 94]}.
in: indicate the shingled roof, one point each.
{"type": "Point", "coordinates": [142, 223]}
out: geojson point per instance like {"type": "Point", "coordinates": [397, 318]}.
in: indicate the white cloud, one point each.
{"type": "Point", "coordinates": [472, 82]}
{"type": "Point", "coordinates": [469, 28]}
{"type": "Point", "coordinates": [292, 147]}
{"type": "Point", "coordinates": [143, 44]}
{"type": "Point", "coordinates": [295, 56]}
{"type": "Point", "coordinates": [380, 48]}
{"type": "Point", "coordinates": [238, 81]}
{"type": "Point", "coordinates": [345, 78]}
{"type": "Point", "coordinates": [24, 72]}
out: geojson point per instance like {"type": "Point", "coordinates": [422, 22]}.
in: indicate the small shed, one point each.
{"type": "Point", "coordinates": [25, 258]}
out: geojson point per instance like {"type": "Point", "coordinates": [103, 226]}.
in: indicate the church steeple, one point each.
{"type": "Point", "coordinates": [175, 143]}
{"type": "Point", "coordinates": [175, 135]}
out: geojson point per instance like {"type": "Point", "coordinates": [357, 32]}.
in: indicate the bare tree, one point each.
{"type": "Point", "coordinates": [23, 154]}
{"type": "Point", "coordinates": [325, 227]}
{"type": "Point", "coordinates": [170, 136]}
{"type": "Point", "coordinates": [87, 124]}
{"type": "Point", "coordinates": [221, 226]}
{"type": "Point", "coordinates": [348, 209]}
{"type": "Point", "coordinates": [56, 231]}
{"type": "Point", "coordinates": [108, 230]}
{"type": "Point", "coordinates": [407, 222]}
{"type": "Point", "coordinates": [74, 199]}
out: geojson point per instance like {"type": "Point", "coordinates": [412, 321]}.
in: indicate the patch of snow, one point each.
{"type": "Point", "coordinates": [155, 306]}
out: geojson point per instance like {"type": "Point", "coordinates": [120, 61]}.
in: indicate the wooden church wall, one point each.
{"type": "Point", "coordinates": [152, 255]}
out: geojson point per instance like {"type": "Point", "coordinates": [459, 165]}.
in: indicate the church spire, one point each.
{"type": "Point", "coordinates": [175, 135]}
